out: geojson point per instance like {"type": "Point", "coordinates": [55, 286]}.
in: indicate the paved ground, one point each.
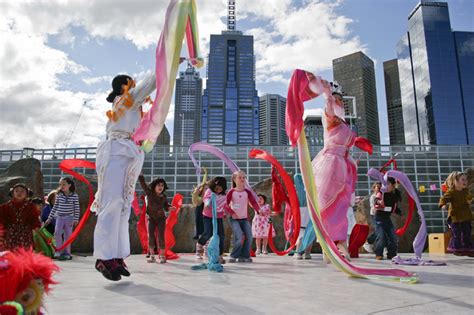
{"type": "Point", "coordinates": [269, 285]}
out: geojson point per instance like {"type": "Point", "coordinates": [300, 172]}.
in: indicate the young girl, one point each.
{"type": "Point", "coordinates": [237, 201]}
{"type": "Point", "coordinates": [376, 194]}
{"type": "Point", "coordinates": [66, 211]}
{"type": "Point", "coordinates": [217, 186]}
{"type": "Point", "coordinates": [157, 210]}
{"type": "Point", "coordinates": [47, 210]}
{"type": "Point", "coordinates": [18, 219]}
{"type": "Point", "coordinates": [260, 225]}
{"type": "Point", "coordinates": [457, 200]}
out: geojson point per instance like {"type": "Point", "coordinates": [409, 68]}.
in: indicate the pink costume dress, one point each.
{"type": "Point", "coordinates": [335, 172]}
{"type": "Point", "coordinates": [260, 223]}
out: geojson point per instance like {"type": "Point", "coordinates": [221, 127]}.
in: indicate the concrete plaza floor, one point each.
{"type": "Point", "coordinates": [269, 285]}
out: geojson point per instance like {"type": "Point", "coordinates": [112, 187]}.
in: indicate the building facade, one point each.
{"type": "Point", "coordinates": [272, 120]}
{"type": "Point", "coordinates": [394, 102]}
{"type": "Point", "coordinates": [434, 110]}
{"type": "Point", "coordinates": [188, 107]}
{"type": "Point", "coordinates": [314, 130]}
{"type": "Point", "coordinates": [356, 74]}
{"type": "Point", "coordinates": [230, 101]}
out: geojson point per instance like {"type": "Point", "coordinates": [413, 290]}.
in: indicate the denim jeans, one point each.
{"type": "Point", "coordinates": [386, 237]}
{"type": "Point", "coordinates": [460, 236]}
{"type": "Point", "coordinates": [206, 235]}
{"type": "Point", "coordinates": [242, 238]}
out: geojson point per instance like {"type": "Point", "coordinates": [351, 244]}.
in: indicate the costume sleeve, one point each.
{"type": "Point", "coordinates": [3, 214]}
{"type": "Point", "coordinates": [445, 199]}
{"type": "Point", "coordinates": [143, 89]}
{"type": "Point", "coordinates": [196, 196]}
{"type": "Point", "coordinates": [144, 185]}
{"type": "Point", "coordinates": [77, 209]}
{"type": "Point", "coordinates": [33, 217]}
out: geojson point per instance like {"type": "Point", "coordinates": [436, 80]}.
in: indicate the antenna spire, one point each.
{"type": "Point", "coordinates": [231, 15]}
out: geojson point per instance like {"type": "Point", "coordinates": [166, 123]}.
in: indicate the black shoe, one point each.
{"type": "Point", "coordinates": [108, 268]}
{"type": "Point", "coordinates": [122, 267]}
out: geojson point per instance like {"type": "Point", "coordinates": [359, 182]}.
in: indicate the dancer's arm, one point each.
{"type": "Point", "coordinates": [144, 185]}
{"type": "Point", "coordinates": [143, 89]}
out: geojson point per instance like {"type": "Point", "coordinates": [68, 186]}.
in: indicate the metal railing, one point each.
{"type": "Point", "coordinates": [424, 165]}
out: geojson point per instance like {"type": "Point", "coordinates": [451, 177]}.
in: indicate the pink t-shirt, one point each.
{"type": "Point", "coordinates": [220, 203]}
{"type": "Point", "coordinates": [239, 204]}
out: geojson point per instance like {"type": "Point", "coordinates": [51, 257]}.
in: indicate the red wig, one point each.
{"type": "Point", "coordinates": [19, 268]}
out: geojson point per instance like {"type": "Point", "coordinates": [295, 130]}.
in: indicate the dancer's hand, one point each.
{"type": "Point", "coordinates": [75, 223]}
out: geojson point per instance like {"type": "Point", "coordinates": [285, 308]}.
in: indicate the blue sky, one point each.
{"type": "Point", "coordinates": [58, 54]}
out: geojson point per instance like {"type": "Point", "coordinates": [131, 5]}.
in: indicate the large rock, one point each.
{"type": "Point", "coordinates": [27, 171]}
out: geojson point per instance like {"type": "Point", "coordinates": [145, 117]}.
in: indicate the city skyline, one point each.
{"type": "Point", "coordinates": [58, 56]}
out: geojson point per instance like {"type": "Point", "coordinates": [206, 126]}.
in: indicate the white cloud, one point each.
{"type": "Point", "coordinates": [95, 80]}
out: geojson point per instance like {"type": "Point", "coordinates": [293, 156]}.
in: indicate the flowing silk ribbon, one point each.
{"type": "Point", "coordinates": [141, 224]}
{"type": "Point", "coordinates": [67, 166]}
{"type": "Point", "coordinates": [292, 199]}
{"type": "Point", "coordinates": [171, 221]}
{"type": "Point", "coordinates": [326, 243]}
{"type": "Point", "coordinates": [180, 20]}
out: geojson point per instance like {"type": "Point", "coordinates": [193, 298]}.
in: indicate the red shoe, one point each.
{"type": "Point", "coordinates": [108, 268]}
{"type": "Point", "coordinates": [122, 267]}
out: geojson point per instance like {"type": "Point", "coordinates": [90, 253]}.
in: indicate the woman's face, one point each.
{"type": "Point", "coordinates": [20, 193]}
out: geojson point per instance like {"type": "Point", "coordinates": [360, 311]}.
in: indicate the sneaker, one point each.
{"type": "Point", "coordinates": [378, 257]}
{"type": "Point", "coordinates": [307, 256]}
{"type": "Point", "coordinates": [56, 255]}
{"type": "Point", "coordinates": [122, 267]}
{"type": "Point", "coordinates": [298, 256]}
{"type": "Point", "coordinates": [221, 260]}
{"type": "Point", "coordinates": [64, 257]}
{"type": "Point", "coordinates": [199, 251]}
{"type": "Point", "coordinates": [151, 259]}
{"type": "Point", "coordinates": [369, 248]}
{"type": "Point", "coordinates": [245, 260]}
{"type": "Point", "coordinates": [232, 260]}
{"type": "Point", "coordinates": [108, 268]}
{"type": "Point", "coordinates": [162, 259]}
{"type": "Point", "coordinates": [265, 252]}
{"type": "Point", "coordinates": [258, 252]}
{"type": "Point", "coordinates": [147, 255]}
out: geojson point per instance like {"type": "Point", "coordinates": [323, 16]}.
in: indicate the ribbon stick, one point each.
{"type": "Point", "coordinates": [180, 20]}
{"type": "Point", "coordinates": [67, 166]}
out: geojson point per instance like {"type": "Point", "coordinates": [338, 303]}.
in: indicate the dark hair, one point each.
{"type": "Point", "coordinates": [263, 196]}
{"type": "Point", "coordinates": [391, 180]}
{"type": "Point", "coordinates": [158, 181]}
{"type": "Point", "coordinates": [29, 193]}
{"type": "Point", "coordinates": [37, 201]}
{"type": "Point", "coordinates": [117, 82]}
{"type": "Point", "coordinates": [70, 182]}
{"type": "Point", "coordinates": [51, 197]}
{"type": "Point", "coordinates": [218, 181]}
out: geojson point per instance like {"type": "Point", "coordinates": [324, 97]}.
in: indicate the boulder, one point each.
{"type": "Point", "coordinates": [27, 171]}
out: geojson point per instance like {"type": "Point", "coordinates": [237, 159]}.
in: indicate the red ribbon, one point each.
{"type": "Point", "coordinates": [171, 221]}
{"type": "Point", "coordinates": [67, 166]}
{"type": "Point", "coordinates": [292, 197]}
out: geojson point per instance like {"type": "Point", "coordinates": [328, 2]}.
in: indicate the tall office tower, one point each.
{"type": "Point", "coordinates": [164, 137]}
{"type": "Point", "coordinates": [230, 100]}
{"type": "Point", "coordinates": [394, 102]}
{"type": "Point", "coordinates": [356, 74]}
{"type": "Point", "coordinates": [314, 130]}
{"type": "Point", "coordinates": [187, 114]}
{"type": "Point", "coordinates": [272, 120]}
{"type": "Point", "coordinates": [431, 68]}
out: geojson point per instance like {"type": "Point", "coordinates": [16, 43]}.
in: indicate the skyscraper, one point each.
{"type": "Point", "coordinates": [230, 100]}
{"type": "Point", "coordinates": [356, 74]}
{"type": "Point", "coordinates": [314, 130]}
{"type": "Point", "coordinates": [431, 68]}
{"type": "Point", "coordinates": [164, 137]}
{"type": "Point", "coordinates": [272, 120]}
{"type": "Point", "coordinates": [187, 114]}
{"type": "Point", "coordinates": [394, 102]}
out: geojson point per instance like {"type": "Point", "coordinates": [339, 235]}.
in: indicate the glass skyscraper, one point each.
{"type": "Point", "coordinates": [356, 74]}
{"type": "Point", "coordinates": [272, 120]}
{"type": "Point", "coordinates": [230, 100]}
{"type": "Point", "coordinates": [187, 114]}
{"type": "Point", "coordinates": [434, 111]}
{"type": "Point", "coordinates": [394, 103]}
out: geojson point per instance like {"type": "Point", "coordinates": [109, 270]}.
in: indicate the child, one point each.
{"type": "Point", "coordinates": [369, 245]}
{"type": "Point", "coordinates": [47, 210]}
{"type": "Point", "coordinates": [18, 218]}
{"type": "Point", "coordinates": [157, 210]}
{"type": "Point", "coordinates": [384, 229]}
{"type": "Point", "coordinates": [66, 210]}
{"type": "Point", "coordinates": [237, 201]}
{"type": "Point", "coordinates": [261, 224]}
{"type": "Point", "coordinates": [217, 186]}
{"type": "Point", "coordinates": [459, 213]}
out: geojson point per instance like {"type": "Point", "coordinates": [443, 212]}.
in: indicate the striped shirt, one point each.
{"type": "Point", "coordinates": [66, 206]}
{"type": "Point", "coordinates": [220, 204]}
